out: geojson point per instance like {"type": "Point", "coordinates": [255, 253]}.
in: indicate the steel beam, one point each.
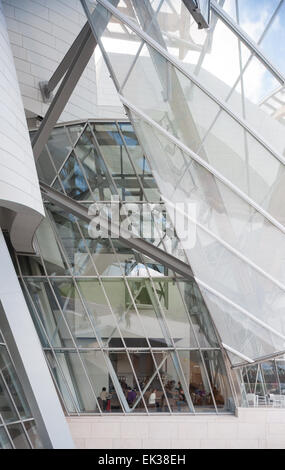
{"type": "Point", "coordinates": [137, 244]}
{"type": "Point", "coordinates": [64, 92]}
{"type": "Point", "coordinates": [48, 87]}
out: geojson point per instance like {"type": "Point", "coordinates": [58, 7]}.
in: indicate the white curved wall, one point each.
{"type": "Point", "coordinates": [19, 188]}
{"type": "Point", "coordinates": [40, 33]}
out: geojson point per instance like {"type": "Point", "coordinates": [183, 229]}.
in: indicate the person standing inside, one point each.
{"type": "Point", "coordinates": [104, 398]}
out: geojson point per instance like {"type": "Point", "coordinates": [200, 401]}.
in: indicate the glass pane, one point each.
{"type": "Point", "coordinates": [50, 251]}
{"type": "Point", "coordinates": [73, 180]}
{"type": "Point", "coordinates": [101, 381]}
{"type": "Point", "coordinates": [176, 315]}
{"type": "Point", "coordinates": [99, 311]}
{"type": "Point", "coordinates": [74, 132]}
{"type": "Point", "coordinates": [49, 313]}
{"type": "Point", "coordinates": [7, 409]}
{"type": "Point", "coordinates": [218, 379]}
{"type": "Point", "coordinates": [59, 146]}
{"type": "Point", "coordinates": [127, 318]}
{"type": "Point", "coordinates": [83, 395]}
{"type": "Point", "coordinates": [172, 379]}
{"type": "Point", "coordinates": [73, 243]}
{"type": "Point", "coordinates": [31, 266]}
{"type": "Point", "coordinates": [197, 381]}
{"type": "Point", "coordinates": [128, 381]}
{"type": "Point", "coordinates": [12, 381]}
{"type": "Point", "coordinates": [150, 382]}
{"type": "Point", "coordinates": [45, 168]}
{"type": "Point", "coordinates": [4, 440]}
{"type": "Point", "coordinates": [18, 436]}
{"type": "Point", "coordinates": [199, 314]}
{"type": "Point", "coordinates": [270, 377]}
{"type": "Point", "coordinates": [93, 166]}
{"type": "Point", "coordinates": [74, 312]}
{"type": "Point", "coordinates": [150, 312]}
{"type": "Point", "coordinates": [61, 376]}
{"type": "Point", "coordinates": [34, 437]}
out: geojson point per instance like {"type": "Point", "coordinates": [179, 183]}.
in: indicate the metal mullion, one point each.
{"type": "Point", "coordinates": [51, 346]}
{"type": "Point", "coordinates": [187, 74]}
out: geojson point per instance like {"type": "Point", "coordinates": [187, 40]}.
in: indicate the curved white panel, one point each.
{"type": "Point", "coordinates": [19, 188]}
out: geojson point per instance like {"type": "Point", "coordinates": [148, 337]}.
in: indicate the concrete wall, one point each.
{"type": "Point", "coordinates": [250, 429]}
{"type": "Point", "coordinates": [19, 188]}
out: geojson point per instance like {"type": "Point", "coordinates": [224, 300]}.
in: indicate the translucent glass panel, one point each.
{"type": "Point", "coordinates": [173, 100]}
{"type": "Point", "coordinates": [224, 217]}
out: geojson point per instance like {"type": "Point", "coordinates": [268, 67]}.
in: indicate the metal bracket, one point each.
{"type": "Point", "coordinates": [47, 95]}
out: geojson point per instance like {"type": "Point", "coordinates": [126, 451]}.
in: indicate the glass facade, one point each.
{"type": "Point", "coordinates": [121, 332]}
{"type": "Point", "coordinates": [18, 429]}
{"type": "Point", "coordinates": [196, 106]}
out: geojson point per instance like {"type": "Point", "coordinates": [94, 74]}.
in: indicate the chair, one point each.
{"type": "Point", "coordinates": [252, 399]}
{"type": "Point", "coordinates": [277, 401]}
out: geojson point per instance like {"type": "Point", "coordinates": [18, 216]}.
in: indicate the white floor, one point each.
{"type": "Point", "coordinates": [251, 428]}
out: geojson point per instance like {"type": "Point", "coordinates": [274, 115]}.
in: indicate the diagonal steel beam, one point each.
{"type": "Point", "coordinates": [48, 87]}
{"type": "Point", "coordinates": [76, 68]}
{"type": "Point", "coordinates": [138, 244]}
